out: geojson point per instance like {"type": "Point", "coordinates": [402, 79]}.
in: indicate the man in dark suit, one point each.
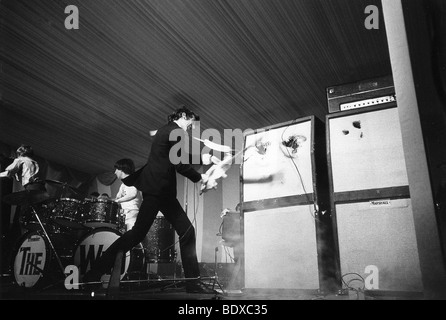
{"type": "Point", "coordinates": [157, 182]}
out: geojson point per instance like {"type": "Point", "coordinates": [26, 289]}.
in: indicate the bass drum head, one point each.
{"type": "Point", "coordinates": [92, 245]}
{"type": "Point", "coordinates": [31, 259]}
{"type": "Point", "coordinates": [34, 262]}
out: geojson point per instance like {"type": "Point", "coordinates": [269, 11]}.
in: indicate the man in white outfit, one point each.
{"type": "Point", "coordinates": [128, 197]}
{"type": "Point", "coordinates": [26, 171]}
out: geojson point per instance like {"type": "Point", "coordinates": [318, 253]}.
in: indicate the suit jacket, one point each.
{"type": "Point", "coordinates": [158, 176]}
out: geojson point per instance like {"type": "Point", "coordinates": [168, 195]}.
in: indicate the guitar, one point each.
{"type": "Point", "coordinates": [217, 171]}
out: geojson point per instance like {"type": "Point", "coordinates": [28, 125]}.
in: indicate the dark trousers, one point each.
{"type": "Point", "coordinates": [174, 213]}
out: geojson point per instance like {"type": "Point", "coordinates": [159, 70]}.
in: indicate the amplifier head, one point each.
{"type": "Point", "coordinates": [361, 94]}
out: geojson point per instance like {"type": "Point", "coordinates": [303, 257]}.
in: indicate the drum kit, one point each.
{"type": "Point", "coordinates": [63, 231]}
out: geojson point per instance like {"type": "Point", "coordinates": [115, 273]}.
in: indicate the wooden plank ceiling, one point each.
{"type": "Point", "coordinates": [88, 97]}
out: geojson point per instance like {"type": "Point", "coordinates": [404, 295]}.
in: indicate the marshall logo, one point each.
{"type": "Point", "coordinates": [380, 203]}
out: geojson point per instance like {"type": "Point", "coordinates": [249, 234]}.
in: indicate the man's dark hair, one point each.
{"type": "Point", "coordinates": [25, 151]}
{"type": "Point", "coordinates": [177, 114]}
{"type": "Point", "coordinates": [125, 165]}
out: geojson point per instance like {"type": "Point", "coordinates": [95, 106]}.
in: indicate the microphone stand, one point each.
{"type": "Point", "coordinates": [215, 277]}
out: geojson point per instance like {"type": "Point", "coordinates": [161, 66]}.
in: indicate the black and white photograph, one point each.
{"type": "Point", "coordinates": [224, 155]}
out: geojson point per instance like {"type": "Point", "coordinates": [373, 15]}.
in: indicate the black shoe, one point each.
{"type": "Point", "coordinates": [199, 287]}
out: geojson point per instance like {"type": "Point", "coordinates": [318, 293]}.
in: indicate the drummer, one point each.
{"type": "Point", "coordinates": [94, 195]}
{"type": "Point", "coordinates": [128, 197]}
{"type": "Point", "coordinates": [104, 196]}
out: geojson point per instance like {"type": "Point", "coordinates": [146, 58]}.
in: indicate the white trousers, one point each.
{"type": "Point", "coordinates": [130, 218]}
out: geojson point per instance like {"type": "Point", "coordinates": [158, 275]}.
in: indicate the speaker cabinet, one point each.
{"type": "Point", "coordinates": [281, 248]}
{"type": "Point", "coordinates": [381, 236]}
{"type": "Point", "coordinates": [370, 199]}
{"type": "Point", "coordinates": [282, 196]}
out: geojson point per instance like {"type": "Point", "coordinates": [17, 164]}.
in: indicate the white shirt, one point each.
{"type": "Point", "coordinates": [29, 168]}
{"type": "Point", "coordinates": [129, 197]}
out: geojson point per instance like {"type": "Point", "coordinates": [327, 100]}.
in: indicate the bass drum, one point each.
{"type": "Point", "coordinates": [93, 244]}
{"type": "Point", "coordinates": [35, 263]}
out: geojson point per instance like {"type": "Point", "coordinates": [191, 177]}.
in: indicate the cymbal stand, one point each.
{"type": "Point", "coordinates": [63, 190]}
{"type": "Point", "coordinates": [49, 240]}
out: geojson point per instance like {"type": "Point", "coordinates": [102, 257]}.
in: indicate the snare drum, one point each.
{"type": "Point", "coordinates": [66, 213]}
{"type": "Point", "coordinates": [101, 213]}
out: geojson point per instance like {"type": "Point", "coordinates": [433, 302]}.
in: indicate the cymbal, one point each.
{"type": "Point", "coordinates": [50, 200]}
{"type": "Point", "coordinates": [26, 197]}
{"type": "Point", "coordinates": [62, 184]}
{"type": "Point", "coordinates": [49, 181]}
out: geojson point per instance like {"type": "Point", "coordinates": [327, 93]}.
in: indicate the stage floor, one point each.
{"type": "Point", "coordinates": [168, 289]}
